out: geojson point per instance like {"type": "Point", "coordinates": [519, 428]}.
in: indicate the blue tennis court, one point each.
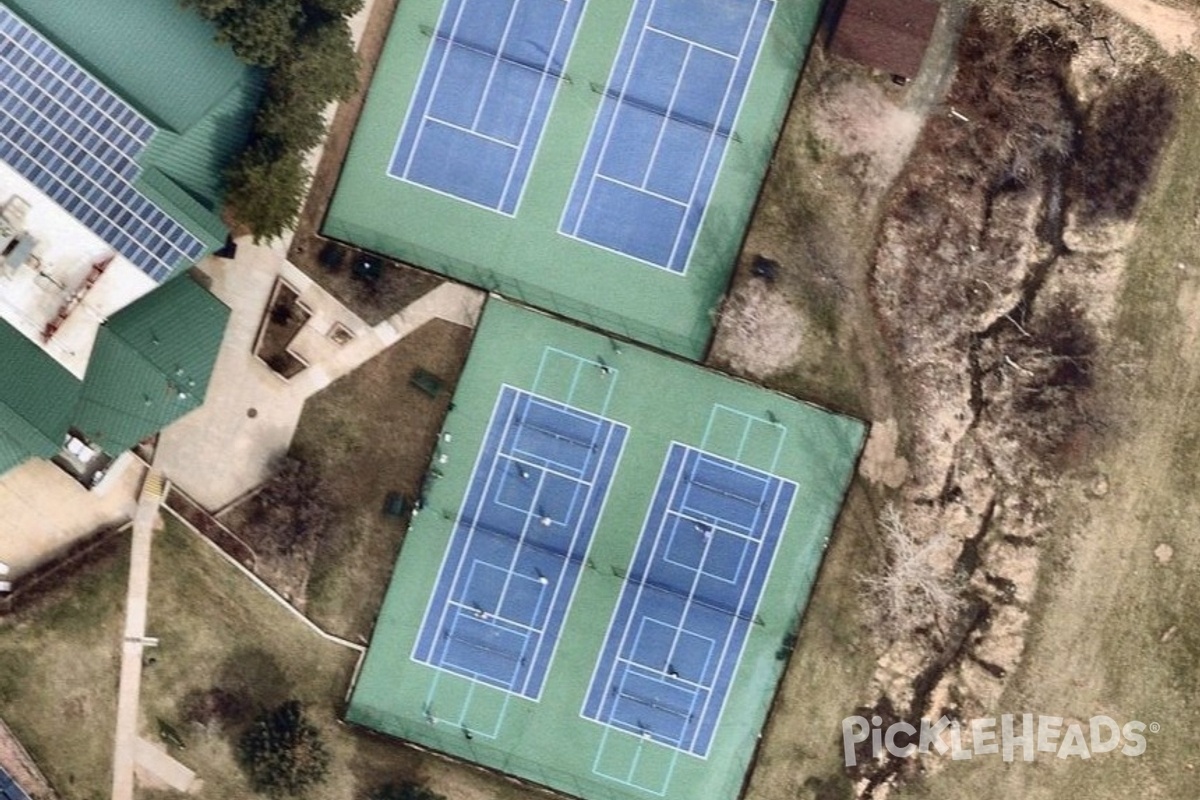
{"type": "Point", "coordinates": [664, 124]}
{"type": "Point", "coordinates": [519, 542]}
{"type": "Point", "coordinates": [689, 599]}
{"type": "Point", "coordinates": [485, 90]}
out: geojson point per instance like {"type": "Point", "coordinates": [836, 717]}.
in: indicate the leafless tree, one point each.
{"type": "Point", "coordinates": [918, 589]}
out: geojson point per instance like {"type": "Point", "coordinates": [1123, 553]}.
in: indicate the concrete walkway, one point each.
{"type": "Point", "coordinates": [129, 692]}
{"type": "Point", "coordinates": [249, 417]}
{"type": "Point", "coordinates": [154, 766]}
{"type": "Point", "coordinates": [43, 510]}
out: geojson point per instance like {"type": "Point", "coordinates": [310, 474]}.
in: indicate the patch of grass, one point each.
{"type": "Point", "coordinates": [59, 667]}
{"type": "Point", "coordinates": [832, 666]}
{"type": "Point", "coordinates": [1169, 223]}
{"type": "Point", "coordinates": [372, 433]}
{"type": "Point", "coordinates": [216, 629]}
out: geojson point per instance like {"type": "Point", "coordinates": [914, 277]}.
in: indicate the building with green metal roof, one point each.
{"type": "Point", "coordinates": [37, 398]}
{"type": "Point", "coordinates": [151, 365]}
{"type": "Point", "coordinates": [102, 341]}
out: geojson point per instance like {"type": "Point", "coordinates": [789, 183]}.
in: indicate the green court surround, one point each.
{"type": "Point", "coordinates": [662, 400]}
{"type": "Point", "coordinates": [524, 257]}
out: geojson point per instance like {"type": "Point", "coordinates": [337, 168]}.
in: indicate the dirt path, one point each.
{"type": "Point", "coordinates": [1174, 28]}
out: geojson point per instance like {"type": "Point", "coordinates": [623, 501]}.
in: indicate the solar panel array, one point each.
{"type": "Point", "coordinates": [77, 142]}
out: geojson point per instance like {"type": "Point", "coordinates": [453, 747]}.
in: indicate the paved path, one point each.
{"type": "Point", "coordinates": [249, 417]}
{"type": "Point", "coordinates": [125, 745]}
{"type": "Point", "coordinates": [155, 766]}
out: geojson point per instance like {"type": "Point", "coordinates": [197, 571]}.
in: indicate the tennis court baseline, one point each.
{"type": "Point", "coordinates": [519, 542]}
{"type": "Point", "coordinates": [485, 91]}
{"type": "Point", "coordinates": [689, 599]}
{"type": "Point", "coordinates": [663, 127]}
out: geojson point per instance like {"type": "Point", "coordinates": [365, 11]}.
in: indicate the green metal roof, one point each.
{"type": "Point", "coordinates": [184, 207]}
{"type": "Point", "coordinates": [156, 54]}
{"type": "Point", "coordinates": [151, 365]}
{"type": "Point", "coordinates": [196, 159]}
{"type": "Point", "coordinates": [36, 398]}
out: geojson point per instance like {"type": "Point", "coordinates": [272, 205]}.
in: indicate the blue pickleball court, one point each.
{"type": "Point", "coordinates": [519, 542]}
{"type": "Point", "coordinates": [489, 78]}
{"type": "Point", "coordinates": [691, 595]}
{"type": "Point", "coordinates": [666, 119]}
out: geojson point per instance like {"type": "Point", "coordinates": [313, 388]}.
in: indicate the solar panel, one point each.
{"type": "Point", "coordinates": [77, 142]}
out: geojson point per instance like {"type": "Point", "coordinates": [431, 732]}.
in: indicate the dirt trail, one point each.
{"type": "Point", "coordinates": [1174, 28]}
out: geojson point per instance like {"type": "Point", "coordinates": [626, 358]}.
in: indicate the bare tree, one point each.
{"type": "Point", "coordinates": [918, 589]}
{"type": "Point", "coordinates": [293, 509]}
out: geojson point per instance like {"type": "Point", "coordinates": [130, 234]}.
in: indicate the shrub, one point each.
{"type": "Point", "coordinates": [283, 752]}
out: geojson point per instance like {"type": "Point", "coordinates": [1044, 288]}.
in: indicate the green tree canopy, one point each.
{"type": "Point", "coordinates": [283, 752]}
{"type": "Point", "coordinates": [265, 188]}
{"type": "Point", "coordinates": [260, 31]}
{"type": "Point", "coordinates": [320, 65]}
{"type": "Point", "coordinates": [308, 49]}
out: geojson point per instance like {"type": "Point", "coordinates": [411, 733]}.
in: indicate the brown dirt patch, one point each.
{"type": "Point", "coordinates": [400, 284]}
{"type": "Point", "coordinates": [1175, 29]}
{"type": "Point", "coordinates": [372, 433]}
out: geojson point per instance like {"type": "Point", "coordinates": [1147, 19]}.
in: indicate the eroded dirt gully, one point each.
{"type": "Point", "coordinates": [995, 281]}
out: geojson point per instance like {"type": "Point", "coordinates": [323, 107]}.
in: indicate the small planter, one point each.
{"type": "Point", "coordinates": [284, 317]}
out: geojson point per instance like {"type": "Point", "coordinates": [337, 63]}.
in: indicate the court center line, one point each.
{"type": "Point", "coordinates": [537, 95]}
{"type": "Point", "coordinates": [616, 107]}
{"type": "Point", "coordinates": [579, 566]}
{"type": "Point", "coordinates": [437, 79]}
{"type": "Point", "coordinates": [719, 117]}
{"type": "Point", "coordinates": [666, 118]}
{"type": "Point", "coordinates": [746, 589]}
{"type": "Point", "coordinates": [448, 124]}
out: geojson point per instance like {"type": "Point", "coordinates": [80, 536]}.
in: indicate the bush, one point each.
{"type": "Point", "coordinates": [307, 47]}
{"type": "Point", "coordinates": [264, 189]}
{"type": "Point", "coordinates": [1125, 132]}
{"type": "Point", "coordinates": [292, 509]}
{"type": "Point", "coordinates": [282, 751]}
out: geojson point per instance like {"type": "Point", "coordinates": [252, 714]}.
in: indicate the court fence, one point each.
{"type": "Point", "coordinates": [693, 346]}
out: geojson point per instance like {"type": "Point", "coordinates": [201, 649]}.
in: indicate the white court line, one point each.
{"type": "Point", "coordinates": [734, 619]}
{"type": "Point", "coordinates": [448, 124]}
{"type": "Point", "coordinates": [761, 591]}
{"type": "Point", "coordinates": [712, 137]}
{"type": "Point", "coordinates": [433, 89]}
{"type": "Point", "coordinates": [537, 95]}
{"type": "Point", "coordinates": [641, 190]}
{"type": "Point", "coordinates": [487, 86]}
{"type": "Point", "coordinates": [469, 537]}
{"type": "Point", "coordinates": [613, 426]}
{"type": "Point", "coordinates": [455, 668]}
{"type": "Point", "coordinates": [747, 542]}
{"type": "Point", "coordinates": [587, 198]}
{"type": "Point", "coordinates": [641, 586]}
{"type": "Point", "coordinates": [666, 118]}
{"type": "Point", "coordinates": [453, 531]}
{"type": "Point", "coordinates": [612, 620]}
{"type": "Point", "coordinates": [732, 123]}
{"type": "Point", "coordinates": [714, 50]}
{"type": "Point", "coordinates": [496, 617]}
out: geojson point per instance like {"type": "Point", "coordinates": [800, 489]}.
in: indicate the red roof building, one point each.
{"type": "Point", "coordinates": [888, 35]}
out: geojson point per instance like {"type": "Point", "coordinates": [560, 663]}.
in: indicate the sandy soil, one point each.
{"type": "Point", "coordinates": [1176, 29]}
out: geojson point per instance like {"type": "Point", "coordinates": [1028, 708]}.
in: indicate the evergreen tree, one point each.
{"type": "Point", "coordinates": [283, 751]}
